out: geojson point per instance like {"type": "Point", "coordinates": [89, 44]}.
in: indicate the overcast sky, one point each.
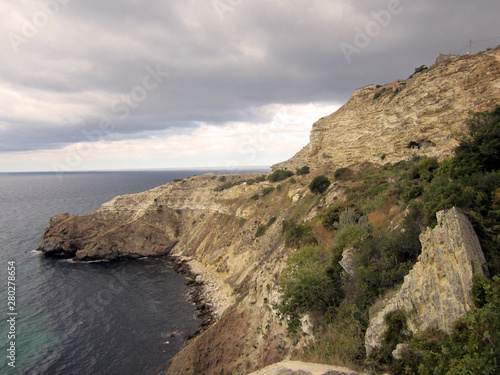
{"type": "Point", "coordinates": [127, 84]}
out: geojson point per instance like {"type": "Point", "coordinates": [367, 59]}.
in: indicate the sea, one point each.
{"type": "Point", "coordinates": [59, 317]}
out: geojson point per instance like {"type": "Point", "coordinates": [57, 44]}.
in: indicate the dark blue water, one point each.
{"type": "Point", "coordinates": [123, 317]}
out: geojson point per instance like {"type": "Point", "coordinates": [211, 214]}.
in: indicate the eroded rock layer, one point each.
{"type": "Point", "coordinates": [437, 291]}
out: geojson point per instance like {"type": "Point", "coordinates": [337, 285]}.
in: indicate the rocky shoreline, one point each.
{"type": "Point", "coordinates": [197, 294]}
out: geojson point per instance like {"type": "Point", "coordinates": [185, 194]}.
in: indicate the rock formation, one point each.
{"type": "Point", "coordinates": [303, 368]}
{"type": "Point", "coordinates": [437, 291]}
{"type": "Point", "coordinates": [422, 115]}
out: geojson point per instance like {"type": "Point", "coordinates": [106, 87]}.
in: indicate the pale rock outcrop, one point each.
{"type": "Point", "coordinates": [420, 116]}
{"type": "Point", "coordinates": [304, 368]}
{"type": "Point", "coordinates": [437, 291]}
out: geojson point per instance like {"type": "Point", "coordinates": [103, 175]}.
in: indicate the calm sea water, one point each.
{"type": "Point", "coordinates": [122, 317]}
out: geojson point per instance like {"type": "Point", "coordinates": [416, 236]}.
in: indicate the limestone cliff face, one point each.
{"type": "Point", "coordinates": [422, 115]}
{"type": "Point", "coordinates": [437, 291]}
{"type": "Point", "coordinates": [214, 233]}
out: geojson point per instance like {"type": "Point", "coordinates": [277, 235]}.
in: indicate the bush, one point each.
{"type": "Point", "coordinates": [279, 175]}
{"type": "Point", "coordinates": [305, 286]}
{"type": "Point", "coordinates": [396, 333]}
{"type": "Point", "coordinates": [261, 229]}
{"type": "Point", "coordinates": [254, 197]}
{"type": "Point", "coordinates": [225, 186]}
{"type": "Point", "coordinates": [319, 184]}
{"type": "Point", "coordinates": [340, 173]}
{"type": "Point", "coordinates": [384, 258]}
{"type": "Point", "coordinates": [304, 170]}
{"type": "Point", "coordinates": [479, 151]}
{"type": "Point", "coordinates": [267, 190]}
{"type": "Point", "coordinates": [298, 234]}
{"type": "Point", "coordinates": [331, 216]}
{"type": "Point", "coordinates": [420, 69]}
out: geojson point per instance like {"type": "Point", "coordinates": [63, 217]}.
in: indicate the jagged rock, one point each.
{"type": "Point", "coordinates": [421, 116]}
{"type": "Point", "coordinates": [437, 291]}
{"type": "Point", "coordinates": [400, 350]}
{"type": "Point", "coordinates": [347, 261]}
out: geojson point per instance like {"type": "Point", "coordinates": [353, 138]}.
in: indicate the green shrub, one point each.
{"type": "Point", "coordinates": [319, 184]}
{"type": "Point", "coordinates": [420, 69]}
{"type": "Point", "coordinates": [305, 286]}
{"type": "Point", "coordinates": [339, 173]}
{"type": "Point", "coordinates": [225, 186]}
{"type": "Point", "coordinates": [397, 332]}
{"type": "Point", "coordinates": [330, 217]}
{"type": "Point", "coordinates": [267, 190]}
{"type": "Point", "coordinates": [384, 258]}
{"type": "Point", "coordinates": [261, 179]}
{"type": "Point", "coordinates": [298, 234]}
{"type": "Point", "coordinates": [279, 175]}
{"type": "Point", "coordinates": [304, 170]}
{"type": "Point", "coordinates": [254, 197]}
{"type": "Point", "coordinates": [261, 229]}
{"type": "Point", "coordinates": [479, 150]}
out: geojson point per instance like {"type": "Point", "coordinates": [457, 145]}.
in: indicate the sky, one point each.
{"type": "Point", "coordinates": [144, 84]}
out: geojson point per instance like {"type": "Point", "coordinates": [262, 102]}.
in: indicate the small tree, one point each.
{"type": "Point", "coordinates": [304, 170]}
{"type": "Point", "coordinates": [279, 175]}
{"type": "Point", "coordinates": [319, 184]}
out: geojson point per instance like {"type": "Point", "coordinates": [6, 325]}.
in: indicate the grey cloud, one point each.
{"type": "Point", "coordinates": [93, 54]}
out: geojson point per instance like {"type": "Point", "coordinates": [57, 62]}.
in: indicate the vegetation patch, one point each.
{"type": "Point", "coordinates": [315, 283]}
{"type": "Point", "coordinates": [268, 190]}
{"type": "Point", "coordinates": [319, 184]}
{"type": "Point", "coordinates": [279, 175]}
{"type": "Point", "coordinates": [304, 170]}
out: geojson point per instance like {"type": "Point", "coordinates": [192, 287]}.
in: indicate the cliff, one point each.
{"type": "Point", "coordinates": [214, 233]}
{"type": "Point", "coordinates": [437, 291]}
{"type": "Point", "coordinates": [422, 115]}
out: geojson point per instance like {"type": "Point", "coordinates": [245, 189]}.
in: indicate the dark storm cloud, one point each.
{"type": "Point", "coordinates": [156, 65]}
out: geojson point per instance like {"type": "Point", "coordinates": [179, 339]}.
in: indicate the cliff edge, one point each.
{"type": "Point", "coordinates": [422, 115]}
